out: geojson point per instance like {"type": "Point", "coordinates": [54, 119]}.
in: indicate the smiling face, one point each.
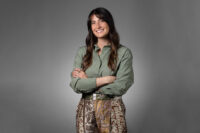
{"type": "Point", "coordinates": [99, 27]}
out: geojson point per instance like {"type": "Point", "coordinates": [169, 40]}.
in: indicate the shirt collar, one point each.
{"type": "Point", "coordinates": [96, 47]}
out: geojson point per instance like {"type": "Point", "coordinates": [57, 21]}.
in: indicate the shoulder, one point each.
{"type": "Point", "coordinates": [124, 51]}
{"type": "Point", "coordinates": [81, 50]}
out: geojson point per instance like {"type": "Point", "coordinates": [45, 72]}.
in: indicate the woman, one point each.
{"type": "Point", "coordinates": [102, 73]}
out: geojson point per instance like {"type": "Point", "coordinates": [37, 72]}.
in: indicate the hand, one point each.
{"type": "Point", "coordinates": [77, 72]}
{"type": "Point", "coordinates": [110, 79]}
{"type": "Point", "coordinates": [105, 80]}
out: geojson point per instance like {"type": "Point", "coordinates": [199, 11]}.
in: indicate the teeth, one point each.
{"type": "Point", "coordinates": [99, 31]}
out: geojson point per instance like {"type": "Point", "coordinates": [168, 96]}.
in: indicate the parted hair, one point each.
{"type": "Point", "coordinates": [91, 39]}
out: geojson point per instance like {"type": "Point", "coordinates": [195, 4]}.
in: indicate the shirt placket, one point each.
{"type": "Point", "coordinates": [100, 64]}
{"type": "Point", "coordinates": [101, 58]}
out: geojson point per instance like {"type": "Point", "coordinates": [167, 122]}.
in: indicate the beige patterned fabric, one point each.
{"type": "Point", "coordinates": [101, 116]}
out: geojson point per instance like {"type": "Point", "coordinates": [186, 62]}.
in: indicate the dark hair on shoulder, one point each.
{"type": "Point", "coordinates": [91, 39]}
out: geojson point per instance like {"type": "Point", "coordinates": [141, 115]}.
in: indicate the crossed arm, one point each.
{"type": "Point", "coordinates": [78, 73]}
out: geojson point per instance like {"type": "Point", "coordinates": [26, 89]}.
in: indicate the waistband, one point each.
{"type": "Point", "coordinates": [99, 97]}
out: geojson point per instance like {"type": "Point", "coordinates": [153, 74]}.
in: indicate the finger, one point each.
{"type": "Point", "coordinates": [82, 72]}
{"type": "Point", "coordinates": [75, 75]}
{"type": "Point", "coordinates": [75, 72]}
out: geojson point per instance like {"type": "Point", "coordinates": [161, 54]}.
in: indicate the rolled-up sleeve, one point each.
{"type": "Point", "coordinates": [124, 77]}
{"type": "Point", "coordinates": [80, 85]}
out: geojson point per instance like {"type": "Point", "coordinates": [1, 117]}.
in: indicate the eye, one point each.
{"type": "Point", "coordinates": [102, 20]}
{"type": "Point", "coordinates": [92, 22]}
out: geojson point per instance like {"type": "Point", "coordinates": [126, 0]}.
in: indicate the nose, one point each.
{"type": "Point", "coordinates": [98, 25]}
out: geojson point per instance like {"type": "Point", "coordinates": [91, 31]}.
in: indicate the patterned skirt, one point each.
{"type": "Point", "coordinates": [101, 116]}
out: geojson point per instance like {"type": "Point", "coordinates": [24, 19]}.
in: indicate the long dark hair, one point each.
{"type": "Point", "coordinates": [91, 39]}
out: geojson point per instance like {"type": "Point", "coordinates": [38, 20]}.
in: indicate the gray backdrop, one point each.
{"type": "Point", "coordinates": [38, 42]}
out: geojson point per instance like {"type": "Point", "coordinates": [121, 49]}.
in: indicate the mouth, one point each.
{"type": "Point", "coordinates": [99, 30]}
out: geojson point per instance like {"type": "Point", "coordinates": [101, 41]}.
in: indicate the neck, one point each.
{"type": "Point", "coordinates": [102, 42]}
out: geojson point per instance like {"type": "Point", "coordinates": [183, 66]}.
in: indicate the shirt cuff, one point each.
{"type": "Point", "coordinates": [87, 85]}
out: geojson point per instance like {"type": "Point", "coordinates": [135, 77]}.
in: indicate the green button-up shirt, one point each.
{"type": "Point", "coordinates": [99, 68]}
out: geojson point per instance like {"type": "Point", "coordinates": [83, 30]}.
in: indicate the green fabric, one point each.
{"type": "Point", "coordinates": [99, 68]}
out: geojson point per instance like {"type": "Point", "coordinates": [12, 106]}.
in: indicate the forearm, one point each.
{"type": "Point", "coordinates": [101, 81]}
{"type": "Point", "coordinates": [87, 85]}
{"type": "Point", "coordinates": [84, 85]}
{"type": "Point", "coordinates": [117, 88]}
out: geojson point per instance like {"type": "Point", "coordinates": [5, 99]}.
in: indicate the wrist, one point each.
{"type": "Point", "coordinates": [101, 81]}
{"type": "Point", "coordinates": [105, 79]}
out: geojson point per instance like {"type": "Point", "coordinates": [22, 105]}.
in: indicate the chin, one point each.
{"type": "Point", "coordinates": [101, 36]}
